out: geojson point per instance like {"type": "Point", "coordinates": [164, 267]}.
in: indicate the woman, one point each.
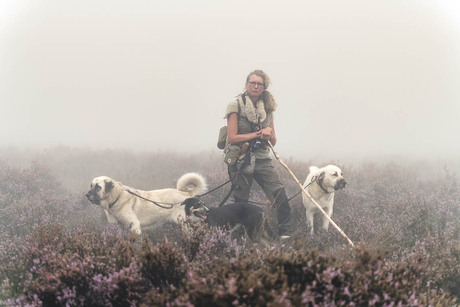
{"type": "Point", "coordinates": [250, 120]}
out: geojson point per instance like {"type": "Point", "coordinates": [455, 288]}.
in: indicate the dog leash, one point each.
{"type": "Point", "coordinates": [231, 188]}
{"type": "Point", "coordinates": [313, 179]}
{"type": "Point", "coordinates": [216, 188]}
{"type": "Point", "coordinates": [256, 203]}
{"type": "Point", "coordinates": [234, 185]}
{"type": "Point", "coordinates": [170, 205]}
{"type": "Point", "coordinates": [226, 196]}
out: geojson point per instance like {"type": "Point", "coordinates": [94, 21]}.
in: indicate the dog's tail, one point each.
{"type": "Point", "coordinates": [192, 183]}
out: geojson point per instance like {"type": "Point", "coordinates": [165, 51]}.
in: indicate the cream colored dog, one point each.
{"type": "Point", "coordinates": [139, 209]}
{"type": "Point", "coordinates": [323, 182]}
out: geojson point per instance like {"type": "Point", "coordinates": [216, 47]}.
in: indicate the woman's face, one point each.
{"type": "Point", "coordinates": [255, 86]}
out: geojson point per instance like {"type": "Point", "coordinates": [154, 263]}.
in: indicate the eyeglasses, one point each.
{"type": "Point", "coordinates": [254, 83]}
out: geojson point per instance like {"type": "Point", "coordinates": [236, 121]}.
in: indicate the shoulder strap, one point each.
{"type": "Point", "coordinates": [254, 127]}
{"type": "Point", "coordinates": [239, 108]}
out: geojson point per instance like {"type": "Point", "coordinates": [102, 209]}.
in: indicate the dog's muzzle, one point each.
{"type": "Point", "coordinates": [340, 184]}
{"type": "Point", "coordinates": [201, 215]}
{"type": "Point", "coordinates": [201, 211]}
{"type": "Point", "coordinates": [93, 198]}
{"type": "Point", "coordinates": [196, 207]}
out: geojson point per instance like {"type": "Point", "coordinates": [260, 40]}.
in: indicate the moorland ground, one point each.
{"type": "Point", "coordinates": [56, 248]}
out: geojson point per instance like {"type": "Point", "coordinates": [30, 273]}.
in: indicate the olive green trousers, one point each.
{"type": "Point", "coordinates": [268, 179]}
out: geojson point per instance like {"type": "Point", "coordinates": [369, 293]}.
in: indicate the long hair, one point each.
{"type": "Point", "coordinates": [267, 97]}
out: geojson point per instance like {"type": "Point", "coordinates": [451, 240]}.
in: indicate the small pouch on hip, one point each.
{"type": "Point", "coordinates": [222, 139]}
{"type": "Point", "coordinates": [232, 154]}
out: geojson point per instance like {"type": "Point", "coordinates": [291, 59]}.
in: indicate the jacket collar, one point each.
{"type": "Point", "coordinates": [255, 115]}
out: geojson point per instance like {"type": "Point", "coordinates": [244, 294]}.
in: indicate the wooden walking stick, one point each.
{"type": "Point", "coordinates": [308, 195]}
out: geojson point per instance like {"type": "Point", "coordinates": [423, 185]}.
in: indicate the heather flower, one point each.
{"type": "Point", "coordinates": [57, 249]}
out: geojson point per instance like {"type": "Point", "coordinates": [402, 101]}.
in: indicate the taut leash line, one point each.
{"type": "Point", "coordinates": [161, 205]}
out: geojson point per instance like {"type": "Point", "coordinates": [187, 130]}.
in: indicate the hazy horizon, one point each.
{"type": "Point", "coordinates": [351, 78]}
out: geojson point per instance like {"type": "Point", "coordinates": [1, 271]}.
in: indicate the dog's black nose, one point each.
{"type": "Point", "coordinates": [340, 184]}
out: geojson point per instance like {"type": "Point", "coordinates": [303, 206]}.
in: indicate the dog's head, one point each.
{"type": "Point", "coordinates": [195, 209]}
{"type": "Point", "coordinates": [101, 190]}
{"type": "Point", "coordinates": [331, 178]}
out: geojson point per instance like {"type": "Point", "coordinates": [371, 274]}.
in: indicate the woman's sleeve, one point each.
{"type": "Point", "coordinates": [232, 107]}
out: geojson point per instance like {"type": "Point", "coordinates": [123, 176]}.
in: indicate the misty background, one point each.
{"type": "Point", "coordinates": [352, 78]}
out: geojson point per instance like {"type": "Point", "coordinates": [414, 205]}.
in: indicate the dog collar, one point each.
{"type": "Point", "coordinates": [112, 204]}
{"type": "Point", "coordinates": [320, 183]}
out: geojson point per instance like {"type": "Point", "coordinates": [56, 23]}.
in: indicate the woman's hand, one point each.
{"type": "Point", "coordinates": [265, 133]}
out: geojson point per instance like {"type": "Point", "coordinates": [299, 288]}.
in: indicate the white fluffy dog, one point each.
{"type": "Point", "coordinates": [323, 182]}
{"type": "Point", "coordinates": [139, 209]}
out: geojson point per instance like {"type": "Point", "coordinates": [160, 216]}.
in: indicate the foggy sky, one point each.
{"type": "Point", "coordinates": [351, 78]}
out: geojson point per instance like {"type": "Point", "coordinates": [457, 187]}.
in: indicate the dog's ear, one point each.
{"type": "Point", "coordinates": [187, 204]}
{"type": "Point", "coordinates": [321, 176]}
{"type": "Point", "coordinates": [108, 186]}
